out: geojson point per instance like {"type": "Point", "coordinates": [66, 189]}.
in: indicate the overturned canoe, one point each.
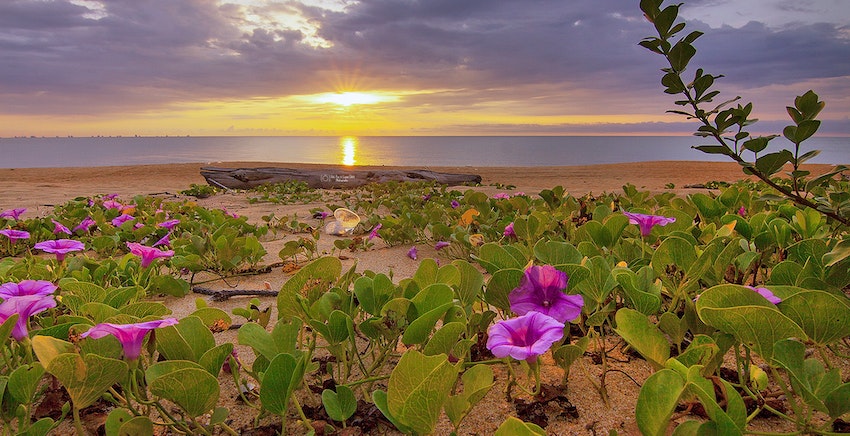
{"type": "Point", "coordinates": [247, 178]}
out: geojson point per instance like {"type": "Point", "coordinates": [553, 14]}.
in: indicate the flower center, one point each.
{"type": "Point", "coordinates": [546, 303]}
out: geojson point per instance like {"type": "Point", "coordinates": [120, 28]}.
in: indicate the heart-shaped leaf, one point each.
{"type": "Point", "coordinates": [477, 381]}
{"type": "Point", "coordinates": [280, 380]}
{"type": "Point", "coordinates": [823, 316]}
{"type": "Point", "coordinates": [746, 315]}
{"type": "Point", "coordinates": [643, 336]}
{"type": "Point", "coordinates": [193, 389]}
{"type": "Point", "coordinates": [86, 378]}
{"type": "Point", "coordinates": [516, 427]}
{"type": "Point", "coordinates": [339, 405]}
{"type": "Point", "coordinates": [418, 388]}
{"type": "Point", "coordinates": [657, 400]}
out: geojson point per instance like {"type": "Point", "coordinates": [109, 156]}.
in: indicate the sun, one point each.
{"type": "Point", "coordinates": [346, 99]}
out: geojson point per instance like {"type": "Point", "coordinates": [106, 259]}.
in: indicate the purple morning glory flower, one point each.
{"type": "Point", "coordinates": [374, 233]}
{"type": "Point", "coordinates": [524, 337]}
{"type": "Point", "coordinates": [413, 253]}
{"type": "Point", "coordinates": [112, 196]}
{"type": "Point", "coordinates": [131, 336]}
{"type": "Point", "coordinates": [121, 219]}
{"type": "Point", "coordinates": [59, 228]}
{"type": "Point", "coordinates": [170, 224]}
{"type": "Point", "coordinates": [647, 222]}
{"type": "Point", "coordinates": [85, 224]}
{"type": "Point", "coordinates": [455, 204]}
{"type": "Point", "coordinates": [509, 231]}
{"type": "Point", "coordinates": [148, 254]}
{"type": "Point", "coordinates": [321, 215]}
{"type": "Point", "coordinates": [742, 211]}
{"type": "Point", "coordinates": [14, 235]}
{"type": "Point", "coordinates": [26, 287]}
{"type": "Point", "coordinates": [441, 244]}
{"type": "Point", "coordinates": [542, 290]}
{"type": "Point", "coordinates": [766, 293]}
{"type": "Point", "coordinates": [60, 247]}
{"type": "Point", "coordinates": [26, 306]}
{"type": "Point", "coordinates": [165, 240]}
{"type": "Point", "coordinates": [14, 214]}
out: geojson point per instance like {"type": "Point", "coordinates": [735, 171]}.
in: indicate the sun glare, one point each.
{"type": "Point", "coordinates": [349, 150]}
{"type": "Point", "coordinates": [351, 98]}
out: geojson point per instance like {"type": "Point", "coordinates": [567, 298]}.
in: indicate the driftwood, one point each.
{"type": "Point", "coordinates": [224, 294]}
{"type": "Point", "coordinates": [247, 178]}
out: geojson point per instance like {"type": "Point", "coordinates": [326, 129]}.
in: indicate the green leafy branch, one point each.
{"type": "Point", "coordinates": [726, 124]}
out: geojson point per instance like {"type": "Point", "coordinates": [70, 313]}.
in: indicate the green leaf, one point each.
{"type": "Point", "coordinates": [773, 162]}
{"type": "Point", "coordinates": [657, 400]}
{"type": "Point", "coordinates": [500, 286]}
{"type": "Point", "coordinates": [379, 397]}
{"type": "Point", "coordinates": [23, 382]}
{"type": "Point", "coordinates": [419, 329]}
{"type": "Point", "coordinates": [313, 279]}
{"type": "Point", "coordinates": [823, 316]}
{"type": "Point", "coordinates": [477, 381]}
{"type": "Point", "coordinates": [339, 405]}
{"type": "Point", "coordinates": [493, 257]}
{"type": "Point", "coordinates": [471, 283]}
{"type": "Point", "coordinates": [635, 328]}
{"type": "Point", "coordinates": [746, 315]}
{"type": "Point", "coordinates": [373, 293]}
{"type": "Point", "coordinates": [7, 327]}
{"type": "Point", "coordinates": [193, 389]}
{"type": "Point", "coordinates": [714, 149]}
{"type": "Point", "coordinates": [556, 252]}
{"type": "Point", "coordinates": [86, 378]}
{"type": "Point", "coordinates": [444, 339]}
{"type": "Point", "coordinates": [214, 358]}
{"type": "Point", "coordinates": [838, 401]}
{"type": "Point", "coordinates": [284, 374]}
{"type": "Point", "coordinates": [188, 340]}
{"type": "Point", "coordinates": [418, 388]}
{"type": "Point", "coordinates": [281, 340]}
{"type": "Point", "coordinates": [516, 427]}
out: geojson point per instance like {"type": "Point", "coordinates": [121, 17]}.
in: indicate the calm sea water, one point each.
{"type": "Point", "coordinates": [376, 150]}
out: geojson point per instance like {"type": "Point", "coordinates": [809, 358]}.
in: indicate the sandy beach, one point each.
{"type": "Point", "coordinates": [39, 189]}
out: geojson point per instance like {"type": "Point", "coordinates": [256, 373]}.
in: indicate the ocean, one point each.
{"type": "Point", "coordinates": [37, 152]}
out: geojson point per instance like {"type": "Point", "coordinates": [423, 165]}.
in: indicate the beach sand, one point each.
{"type": "Point", "coordinates": [39, 189]}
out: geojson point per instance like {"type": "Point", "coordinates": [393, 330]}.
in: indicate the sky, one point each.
{"type": "Point", "coordinates": [401, 67]}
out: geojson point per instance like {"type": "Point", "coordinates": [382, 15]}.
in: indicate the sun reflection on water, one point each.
{"type": "Point", "coordinates": [349, 149]}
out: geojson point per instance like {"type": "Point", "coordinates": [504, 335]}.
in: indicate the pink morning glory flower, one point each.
{"type": "Point", "coordinates": [413, 253]}
{"type": "Point", "coordinates": [374, 233]}
{"type": "Point", "coordinates": [766, 293]}
{"type": "Point", "coordinates": [112, 196]}
{"type": "Point", "coordinates": [60, 247]}
{"type": "Point", "coordinates": [112, 204]}
{"type": "Point", "coordinates": [26, 306]}
{"type": "Point", "coordinates": [542, 290]}
{"type": "Point", "coordinates": [524, 337]}
{"type": "Point", "coordinates": [85, 224]}
{"type": "Point", "coordinates": [14, 214]}
{"type": "Point", "coordinates": [455, 204]}
{"type": "Point", "coordinates": [26, 287]}
{"type": "Point", "coordinates": [742, 211]}
{"type": "Point", "coordinates": [170, 224]}
{"type": "Point", "coordinates": [501, 196]}
{"type": "Point", "coordinates": [509, 231]}
{"type": "Point", "coordinates": [148, 254]}
{"type": "Point", "coordinates": [14, 235]}
{"type": "Point", "coordinates": [121, 219]}
{"type": "Point", "coordinates": [131, 336]}
{"type": "Point", "coordinates": [59, 228]}
{"type": "Point", "coordinates": [441, 244]}
{"type": "Point", "coordinates": [647, 222]}
{"type": "Point", "coordinates": [165, 240]}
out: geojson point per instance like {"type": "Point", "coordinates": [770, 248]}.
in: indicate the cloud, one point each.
{"type": "Point", "coordinates": [535, 58]}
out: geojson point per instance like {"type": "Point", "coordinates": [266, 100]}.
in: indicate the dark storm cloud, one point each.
{"type": "Point", "coordinates": [156, 53]}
